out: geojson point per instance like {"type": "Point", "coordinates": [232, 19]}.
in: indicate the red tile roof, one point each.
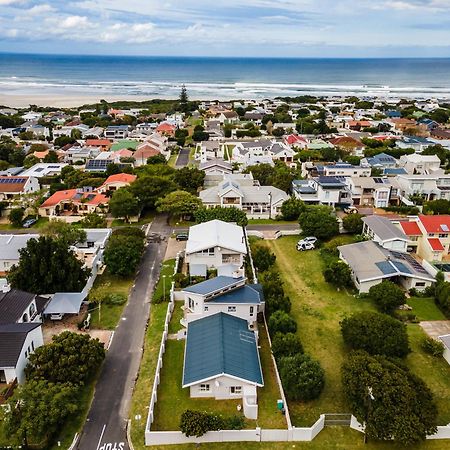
{"type": "Point", "coordinates": [411, 228]}
{"type": "Point", "coordinates": [346, 140]}
{"type": "Point", "coordinates": [70, 194]}
{"type": "Point", "coordinates": [164, 126]}
{"type": "Point", "coordinates": [436, 244]}
{"type": "Point", "coordinates": [97, 142]}
{"type": "Point", "coordinates": [12, 184]}
{"type": "Point", "coordinates": [436, 224]}
{"type": "Point", "coordinates": [293, 138]}
{"type": "Point", "coordinates": [120, 177]}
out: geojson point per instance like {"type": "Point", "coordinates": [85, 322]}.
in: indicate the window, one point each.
{"type": "Point", "coordinates": [6, 264]}
{"type": "Point", "coordinates": [232, 309]}
{"type": "Point", "coordinates": [204, 388]}
{"type": "Point", "coordinates": [191, 303]}
{"type": "Point", "coordinates": [205, 308]}
{"type": "Point", "coordinates": [443, 235]}
{"type": "Point", "coordinates": [251, 310]}
{"type": "Point", "coordinates": [32, 310]}
{"type": "Point", "coordinates": [235, 390]}
{"type": "Point", "coordinates": [32, 345]}
{"type": "Point", "coordinates": [420, 284]}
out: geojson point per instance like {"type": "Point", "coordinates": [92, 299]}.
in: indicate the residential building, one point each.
{"type": "Point", "coordinates": [216, 167]}
{"type": "Point", "coordinates": [429, 186]}
{"type": "Point", "coordinates": [421, 164]}
{"type": "Point", "coordinates": [382, 231]}
{"type": "Point", "coordinates": [103, 144]}
{"type": "Point", "coordinates": [325, 190]}
{"type": "Point", "coordinates": [223, 294]}
{"type": "Point", "coordinates": [243, 151]}
{"type": "Point", "coordinates": [349, 144]}
{"type": "Point", "coordinates": [344, 170]}
{"type": "Point", "coordinates": [226, 117]}
{"type": "Point", "coordinates": [21, 307]}
{"type": "Point", "coordinates": [371, 264]}
{"type": "Point", "coordinates": [10, 244]}
{"type": "Point", "coordinates": [116, 131]}
{"type": "Point", "coordinates": [166, 129]}
{"type": "Point", "coordinates": [117, 181]}
{"type": "Point", "coordinates": [221, 361]}
{"type": "Point", "coordinates": [40, 170]}
{"type": "Point", "coordinates": [207, 150]}
{"type": "Point", "coordinates": [379, 192]}
{"type": "Point", "coordinates": [380, 161]}
{"type": "Point", "coordinates": [257, 201]}
{"type": "Point", "coordinates": [75, 154]}
{"type": "Point", "coordinates": [12, 187]}
{"type": "Point", "coordinates": [419, 144]}
{"type": "Point", "coordinates": [214, 244]}
{"type": "Point", "coordinates": [17, 342]}
{"type": "Point", "coordinates": [74, 203]}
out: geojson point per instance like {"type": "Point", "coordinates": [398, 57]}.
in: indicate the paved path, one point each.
{"type": "Point", "coordinates": [109, 411]}
{"type": "Point", "coordinates": [183, 158]}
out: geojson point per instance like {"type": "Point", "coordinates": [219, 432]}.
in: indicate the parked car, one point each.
{"type": "Point", "coordinates": [303, 246]}
{"type": "Point", "coordinates": [29, 222]}
{"type": "Point", "coordinates": [351, 210]}
{"type": "Point", "coordinates": [182, 237]}
{"type": "Point", "coordinates": [310, 239]}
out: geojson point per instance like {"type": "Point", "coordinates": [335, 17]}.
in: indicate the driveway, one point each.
{"type": "Point", "coordinates": [436, 328]}
{"type": "Point", "coordinates": [183, 158]}
{"type": "Point", "coordinates": [105, 427]}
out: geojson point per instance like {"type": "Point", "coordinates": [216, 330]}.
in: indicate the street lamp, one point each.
{"type": "Point", "coordinates": [164, 287]}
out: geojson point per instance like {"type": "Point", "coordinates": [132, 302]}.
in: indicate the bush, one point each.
{"type": "Point", "coordinates": [353, 223]}
{"type": "Point", "coordinates": [197, 423]}
{"type": "Point", "coordinates": [235, 422]}
{"type": "Point", "coordinates": [286, 345]}
{"type": "Point", "coordinates": [432, 346]}
{"type": "Point", "coordinates": [281, 322]}
{"type": "Point", "coordinates": [16, 216]}
{"type": "Point", "coordinates": [387, 296]}
{"type": "Point", "coordinates": [319, 221]}
{"type": "Point", "coordinates": [181, 280]}
{"type": "Point", "coordinates": [377, 334]}
{"type": "Point", "coordinates": [292, 208]}
{"type": "Point", "coordinates": [263, 258]}
{"type": "Point", "coordinates": [339, 274]}
{"type": "Point", "coordinates": [303, 378]}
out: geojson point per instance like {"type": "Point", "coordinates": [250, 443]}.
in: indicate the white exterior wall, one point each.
{"type": "Point", "coordinates": [219, 388]}
{"type": "Point", "coordinates": [35, 337]}
{"type": "Point", "coordinates": [241, 310]}
{"type": "Point", "coordinates": [447, 355]}
{"type": "Point", "coordinates": [213, 260]}
{"type": "Point", "coordinates": [410, 283]}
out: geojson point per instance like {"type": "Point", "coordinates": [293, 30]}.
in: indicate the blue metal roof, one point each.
{"type": "Point", "coordinates": [221, 344]}
{"type": "Point", "coordinates": [212, 285]}
{"type": "Point", "coordinates": [394, 171]}
{"type": "Point", "coordinates": [244, 294]}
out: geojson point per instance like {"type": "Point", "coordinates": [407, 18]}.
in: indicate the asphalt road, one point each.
{"type": "Point", "coordinates": [183, 158]}
{"type": "Point", "coordinates": [105, 425]}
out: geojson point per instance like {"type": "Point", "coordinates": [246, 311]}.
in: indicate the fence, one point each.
{"type": "Point", "coordinates": [249, 252]}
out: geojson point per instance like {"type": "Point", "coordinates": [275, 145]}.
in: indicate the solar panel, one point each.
{"type": "Point", "coordinates": [410, 260]}
{"type": "Point", "coordinates": [12, 180]}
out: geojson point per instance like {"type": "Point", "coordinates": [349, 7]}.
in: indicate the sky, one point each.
{"type": "Point", "coordinates": [240, 28]}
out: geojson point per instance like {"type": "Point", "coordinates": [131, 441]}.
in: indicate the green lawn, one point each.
{"type": "Point", "coordinates": [145, 218]}
{"type": "Point", "coordinates": [318, 308]}
{"type": "Point", "coordinates": [172, 159]}
{"type": "Point", "coordinates": [173, 400]}
{"type": "Point", "coordinates": [110, 314]}
{"type": "Point", "coordinates": [425, 309]}
{"type": "Point", "coordinates": [177, 315]}
{"type": "Point", "coordinates": [163, 287]}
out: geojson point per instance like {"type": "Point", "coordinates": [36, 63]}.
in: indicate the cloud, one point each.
{"type": "Point", "coordinates": [75, 22]}
{"type": "Point", "coordinates": [39, 9]}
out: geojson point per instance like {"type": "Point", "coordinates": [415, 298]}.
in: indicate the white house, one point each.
{"type": "Point", "coordinates": [263, 202]}
{"type": "Point", "coordinates": [323, 190]}
{"type": "Point", "coordinates": [370, 264]}
{"type": "Point", "coordinates": [10, 244]}
{"type": "Point", "coordinates": [43, 170]}
{"type": "Point", "coordinates": [20, 307]}
{"type": "Point", "coordinates": [280, 151]}
{"type": "Point", "coordinates": [17, 342]}
{"type": "Point", "coordinates": [216, 167]}
{"type": "Point", "coordinates": [214, 244]}
{"type": "Point", "coordinates": [221, 360]}
{"type": "Point", "coordinates": [209, 150]}
{"type": "Point", "coordinates": [223, 294]}
{"type": "Point", "coordinates": [429, 186]}
{"type": "Point", "coordinates": [421, 164]}
{"type": "Point", "coordinates": [116, 131]}
{"type": "Point", "coordinates": [345, 170]}
{"type": "Point", "coordinates": [13, 187]}
{"type": "Point", "coordinates": [381, 230]}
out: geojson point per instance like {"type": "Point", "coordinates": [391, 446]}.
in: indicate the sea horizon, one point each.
{"type": "Point", "coordinates": [217, 77]}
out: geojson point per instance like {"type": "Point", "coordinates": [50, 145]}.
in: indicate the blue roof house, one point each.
{"type": "Point", "coordinates": [223, 294]}
{"type": "Point", "coordinates": [221, 360]}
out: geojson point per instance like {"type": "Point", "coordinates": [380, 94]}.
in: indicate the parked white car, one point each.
{"type": "Point", "coordinates": [306, 244]}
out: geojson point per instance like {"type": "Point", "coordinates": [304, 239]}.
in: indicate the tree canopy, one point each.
{"type": "Point", "coordinates": [63, 231]}
{"type": "Point", "coordinates": [179, 203]}
{"type": "Point", "coordinates": [394, 403]}
{"type": "Point", "coordinates": [47, 266]}
{"type": "Point", "coordinates": [303, 378]}
{"type": "Point", "coordinates": [387, 296]}
{"type": "Point", "coordinates": [231, 214]}
{"type": "Point", "coordinates": [123, 204]}
{"type": "Point", "coordinates": [319, 221]}
{"type": "Point", "coordinates": [292, 208]}
{"type": "Point", "coordinates": [377, 334]}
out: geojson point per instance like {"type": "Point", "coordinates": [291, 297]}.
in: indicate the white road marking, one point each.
{"type": "Point", "coordinates": [101, 436]}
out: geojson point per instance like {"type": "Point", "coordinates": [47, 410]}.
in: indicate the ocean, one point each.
{"type": "Point", "coordinates": [222, 78]}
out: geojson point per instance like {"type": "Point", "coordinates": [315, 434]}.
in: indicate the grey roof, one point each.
{"type": "Point", "coordinates": [394, 171]}
{"type": "Point", "coordinates": [65, 303]}
{"type": "Point", "coordinates": [243, 295]}
{"type": "Point", "coordinates": [13, 304]}
{"type": "Point", "coordinates": [12, 338]}
{"type": "Point", "coordinates": [445, 340]}
{"type": "Point", "coordinates": [370, 261]}
{"type": "Point", "coordinates": [215, 162]}
{"type": "Point", "coordinates": [213, 285]}
{"type": "Point", "coordinates": [384, 228]}
{"type": "Point", "coordinates": [10, 244]}
{"type": "Point", "coordinates": [330, 182]}
{"type": "Point", "coordinates": [221, 344]}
